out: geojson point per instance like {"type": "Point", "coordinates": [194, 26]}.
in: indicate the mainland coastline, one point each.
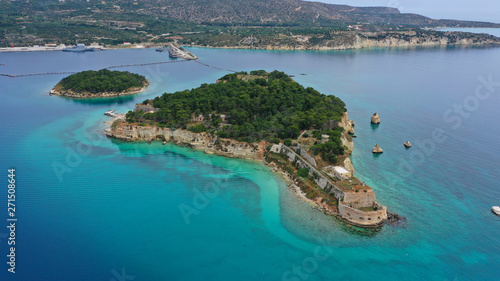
{"type": "Point", "coordinates": [341, 40]}
{"type": "Point", "coordinates": [367, 40]}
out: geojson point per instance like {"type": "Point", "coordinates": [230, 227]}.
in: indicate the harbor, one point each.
{"type": "Point", "coordinates": [54, 47]}
{"type": "Point", "coordinates": [177, 51]}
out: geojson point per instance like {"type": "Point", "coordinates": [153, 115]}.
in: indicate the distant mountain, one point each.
{"type": "Point", "coordinates": [288, 11]}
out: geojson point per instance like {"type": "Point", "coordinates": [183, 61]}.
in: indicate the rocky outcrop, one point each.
{"type": "Point", "coordinates": [208, 143]}
{"type": "Point", "coordinates": [375, 118]}
{"type": "Point", "coordinates": [347, 142]}
{"type": "Point", "coordinates": [407, 144]}
{"type": "Point", "coordinates": [377, 149]}
{"type": "Point", "coordinates": [348, 126]}
{"type": "Point", "coordinates": [348, 165]}
{"type": "Point", "coordinates": [145, 108]}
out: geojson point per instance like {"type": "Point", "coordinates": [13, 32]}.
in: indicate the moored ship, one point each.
{"type": "Point", "coordinates": [174, 53]}
{"type": "Point", "coordinates": [79, 48]}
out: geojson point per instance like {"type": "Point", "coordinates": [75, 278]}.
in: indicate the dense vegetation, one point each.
{"type": "Point", "coordinates": [256, 106]}
{"type": "Point", "coordinates": [102, 81]}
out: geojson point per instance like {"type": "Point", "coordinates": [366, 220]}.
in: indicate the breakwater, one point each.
{"type": "Point", "coordinates": [114, 66]}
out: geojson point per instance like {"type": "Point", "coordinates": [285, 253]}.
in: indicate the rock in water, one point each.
{"type": "Point", "coordinates": [407, 144]}
{"type": "Point", "coordinates": [395, 220]}
{"type": "Point", "coordinates": [375, 118]}
{"type": "Point", "coordinates": [377, 149]}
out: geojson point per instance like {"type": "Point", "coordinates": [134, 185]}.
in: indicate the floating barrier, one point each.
{"type": "Point", "coordinates": [114, 66]}
{"type": "Point", "coordinates": [214, 67]}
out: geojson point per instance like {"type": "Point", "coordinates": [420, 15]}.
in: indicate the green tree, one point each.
{"type": "Point", "coordinates": [303, 172]}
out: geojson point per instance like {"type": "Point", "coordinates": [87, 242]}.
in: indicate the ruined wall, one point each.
{"type": "Point", "coordinates": [363, 218]}
{"type": "Point", "coordinates": [304, 155]}
{"type": "Point", "coordinates": [348, 201]}
{"type": "Point", "coordinates": [321, 181]}
{"type": "Point", "coordinates": [360, 199]}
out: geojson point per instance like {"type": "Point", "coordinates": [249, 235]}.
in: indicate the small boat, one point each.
{"type": "Point", "coordinates": [496, 210]}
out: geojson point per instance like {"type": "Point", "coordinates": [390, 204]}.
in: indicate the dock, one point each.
{"type": "Point", "coordinates": [111, 113]}
{"type": "Point", "coordinates": [179, 52]}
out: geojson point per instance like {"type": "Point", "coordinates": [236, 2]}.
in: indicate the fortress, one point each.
{"type": "Point", "coordinates": [356, 205]}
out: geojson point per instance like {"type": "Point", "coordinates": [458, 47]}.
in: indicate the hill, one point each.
{"type": "Point", "coordinates": [289, 11]}
{"type": "Point", "coordinates": [250, 107]}
{"type": "Point", "coordinates": [115, 21]}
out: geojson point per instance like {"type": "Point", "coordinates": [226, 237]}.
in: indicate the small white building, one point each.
{"type": "Point", "coordinates": [341, 173]}
{"type": "Point", "coordinates": [276, 148]}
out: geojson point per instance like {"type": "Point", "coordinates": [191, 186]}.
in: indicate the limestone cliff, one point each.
{"type": "Point", "coordinates": [347, 141]}
{"type": "Point", "coordinates": [344, 40]}
{"type": "Point", "coordinates": [208, 143]}
{"type": "Point", "coordinates": [348, 126]}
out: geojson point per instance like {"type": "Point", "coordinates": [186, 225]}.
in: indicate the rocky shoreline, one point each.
{"type": "Point", "coordinates": [348, 41]}
{"type": "Point", "coordinates": [57, 91]}
{"type": "Point", "coordinates": [122, 130]}
{"type": "Point", "coordinates": [201, 141]}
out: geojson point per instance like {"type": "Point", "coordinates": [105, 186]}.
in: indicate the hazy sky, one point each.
{"type": "Point", "coordinates": [479, 10]}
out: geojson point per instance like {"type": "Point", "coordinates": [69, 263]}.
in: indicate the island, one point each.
{"type": "Point", "coordinates": [298, 132]}
{"type": "Point", "coordinates": [101, 83]}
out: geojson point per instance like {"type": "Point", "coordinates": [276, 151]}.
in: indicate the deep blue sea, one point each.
{"type": "Point", "coordinates": [90, 208]}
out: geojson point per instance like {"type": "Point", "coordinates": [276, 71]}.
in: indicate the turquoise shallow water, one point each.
{"type": "Point", "coordinates": [117, 207]}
